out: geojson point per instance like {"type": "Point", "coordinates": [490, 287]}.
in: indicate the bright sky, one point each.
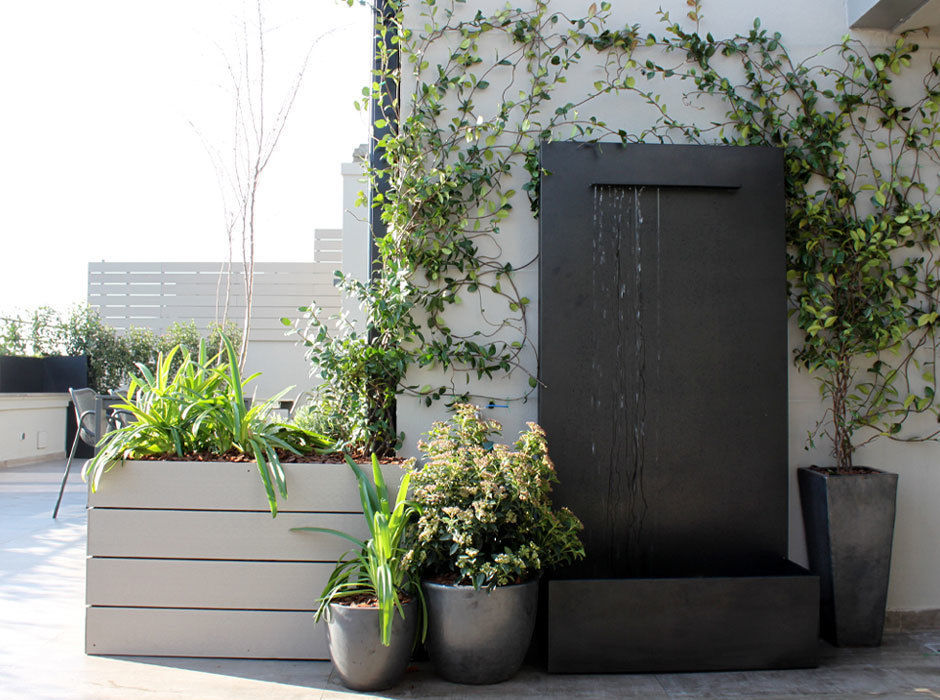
{"type": "Point", "coordinates": [99, 161]}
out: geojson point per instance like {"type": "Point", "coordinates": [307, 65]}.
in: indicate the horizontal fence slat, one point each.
{"type": "Point", "coordinates": [177, 304]}
{"type": "Point", "coordinates": [214, 266]}
{"type": "Point", "coordinates": [324, 282]}
{"type": "Point", "coordinates": [235, 634]}
{"type": "Point", "coordinates": [230, 486]}
{"type": "Point", "coordinates": [170, 583]}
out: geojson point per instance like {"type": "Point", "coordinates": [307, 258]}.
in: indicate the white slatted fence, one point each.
{"type": "Point", "coordinates": [155, 295]}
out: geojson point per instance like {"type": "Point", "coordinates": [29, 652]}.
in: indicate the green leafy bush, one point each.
{"type": "Point", "coordinates": [376, 567]}
{"type": "Point", "coordinates": [199, 408]}
{"type": "Point", "coordinates": [486, 516]}
{"type": "Point", "coordinates": [363, 367]}
{"type": "Point", "coordinates": [325, 418]}
{"type": "Point", "coordinates": [112, 356]}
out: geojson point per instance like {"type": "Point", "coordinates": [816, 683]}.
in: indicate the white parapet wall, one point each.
{"type": "Point", "coordinates": [32, 428]}
{"type": "Point", "coordinates": [157, 294]}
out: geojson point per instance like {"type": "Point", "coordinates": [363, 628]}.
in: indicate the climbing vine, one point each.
{"type": "Point", "coordinates": [477, 93]}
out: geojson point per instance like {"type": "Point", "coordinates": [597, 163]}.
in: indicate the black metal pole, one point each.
{"type": "Point", "coordinates": [385, 66]}
{"type": "Point", "coordinates": [385, 59]}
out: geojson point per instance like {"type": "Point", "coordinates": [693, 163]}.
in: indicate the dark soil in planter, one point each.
{"type": "Point", "coordinates": [846, 471]}
{"type": "Point", "coordinates": [366, 600]}
{"type": "Point", "coordinates": [284, 456]}
{"type": "Point", "coordinates": [452, 579]}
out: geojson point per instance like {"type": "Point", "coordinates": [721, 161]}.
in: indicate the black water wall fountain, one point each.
{"type": "Point", "coordinates": [663, 358]}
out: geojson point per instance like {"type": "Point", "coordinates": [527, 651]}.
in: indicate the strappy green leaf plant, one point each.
{"type": "Point", "coordinates": [376, 566]}
{"type": "Point", "coordinates": [197, 409]}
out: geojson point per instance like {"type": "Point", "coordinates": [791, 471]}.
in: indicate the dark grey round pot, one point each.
{"type": "Point", "coordinates": [359, 657]}
{"type": "Point", "coordinates": [479, 636]}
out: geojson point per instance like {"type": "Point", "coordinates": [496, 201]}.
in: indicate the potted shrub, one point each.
{"type": "Point", "coordinates": [868, 339]}
{"type": "Point", "coordinates": [859, 305]}
{"type": "Point", "coordinates": [369, 587]}
{"type": "Point", "coordinates": [486, 531]}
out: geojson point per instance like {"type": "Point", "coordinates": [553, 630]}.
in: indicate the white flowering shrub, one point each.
{"type": "Point", "coordinates": [486, 514]}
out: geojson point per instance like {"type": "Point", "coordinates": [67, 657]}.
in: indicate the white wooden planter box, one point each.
{"type": "Point", "coordinates": [184, 559]}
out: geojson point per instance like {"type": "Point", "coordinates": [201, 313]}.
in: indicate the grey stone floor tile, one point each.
{"type": "Point", "coordinates": [924, 675]}
{"type": "Point", "coordinates": [823, 681]}
{"type": "Point", "coordinates": [530, 683]}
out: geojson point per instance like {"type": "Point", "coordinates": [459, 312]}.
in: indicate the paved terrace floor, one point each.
{"type": "Point", "coordinates": [42, 580]}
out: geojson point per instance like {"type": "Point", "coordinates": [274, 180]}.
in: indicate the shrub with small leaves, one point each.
{"type": "Point", "coordinates": [486, 515]}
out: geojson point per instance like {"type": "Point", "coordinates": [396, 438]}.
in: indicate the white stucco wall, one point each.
{"type": "Point", "coordinates": [807, 27]}
{"type": "Point", "coordinates": [32, 427]}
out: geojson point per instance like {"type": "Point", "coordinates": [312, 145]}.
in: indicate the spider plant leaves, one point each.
{"type": "Point", "coordinates": [376, 566]}
{"type": "Point", "coordinates": [199, 408]}
{"type": "Point", "coordinates": [329, 531]}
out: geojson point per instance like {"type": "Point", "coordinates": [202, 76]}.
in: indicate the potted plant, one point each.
{"type": "Point", "coordinates": [176, 501]}
{"type": "Point", "coordinates": [369, 586]}
{"type": "Point", "coordinates": [865, 312]}
{"type": "Point", "coordinates": [486, 531]}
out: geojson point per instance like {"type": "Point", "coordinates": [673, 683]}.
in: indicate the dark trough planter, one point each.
{"type": "Point", "coordinates": [359, 657]}
{"type": "Point", "coordinates": [849, 522]}
{"type": "Point", "coordinates": [738, 621]}
{"type": "Point", "coordinates": [42, 374]}
{"type": "Point", "coordinates": [479, 636]}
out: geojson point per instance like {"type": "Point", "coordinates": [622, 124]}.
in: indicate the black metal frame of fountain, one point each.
{"type": "Point", "coordinates": [663, 355]}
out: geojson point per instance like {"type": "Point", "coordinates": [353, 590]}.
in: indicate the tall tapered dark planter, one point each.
{"type": "Point", "coordinates": [849, 523]}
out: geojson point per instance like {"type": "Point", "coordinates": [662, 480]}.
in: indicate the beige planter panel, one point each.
{"type": "Point", "coordinates": [169, 583]}
{"type": "Point", "coordinates": [231, 486]}
{"type": "Point", "coordinates": [180, 534]}
{"type": "Point", "coordinates": [207, 633]}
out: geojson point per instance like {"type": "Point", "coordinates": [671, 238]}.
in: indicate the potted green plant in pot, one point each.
{"type": "Point", "coordinates": [867, 322]}
{"type": "Point", "coordinates": [176, 497]}
{"type": "Point", "coordinates": [486, 531]}
{"type": "Point", "coordinates": [370, 601]}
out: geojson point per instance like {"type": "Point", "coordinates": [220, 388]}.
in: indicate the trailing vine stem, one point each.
{"type": "Point", "coordinates": [478, 93]}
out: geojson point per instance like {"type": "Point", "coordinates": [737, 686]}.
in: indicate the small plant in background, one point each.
{"type": "Point", "coordinates": [363, 368]}
{"type": "Point", "coordinates": [376, 570]}
{"type": "Point", "coordinates": [486, 516]}
{"type": "Point", "coordinates": [326, 419]}
{"type": "Point", "coordinates": [198, 409]}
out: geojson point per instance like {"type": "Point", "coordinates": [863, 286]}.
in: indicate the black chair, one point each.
{"type": "Point", "coordinates": [84, 402]}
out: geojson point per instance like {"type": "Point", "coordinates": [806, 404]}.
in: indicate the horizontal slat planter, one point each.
{"type": "Point", "coordinates": [237, 634]}
{"type": "Point", "coordinates": [205, 584]}
{"type": "Point", "coordinates": [230, 486]}
{"type": "Point", "coordinates": [201, 534]}
{"type": "Point", "coordinates": [184, 558]}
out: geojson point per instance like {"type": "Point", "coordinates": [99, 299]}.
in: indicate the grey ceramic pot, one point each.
{"type": "Point", "coordinates": [849, 523]}
{"type": "Point", "coordinates": [359, 657]}
{"type": "Point", "coordinates": [479, 636]}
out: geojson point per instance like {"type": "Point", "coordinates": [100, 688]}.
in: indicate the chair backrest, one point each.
{"type": "Point", "coordinates": [304, 398]}
{"type": "Point", "coordinates": [84, 402]}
